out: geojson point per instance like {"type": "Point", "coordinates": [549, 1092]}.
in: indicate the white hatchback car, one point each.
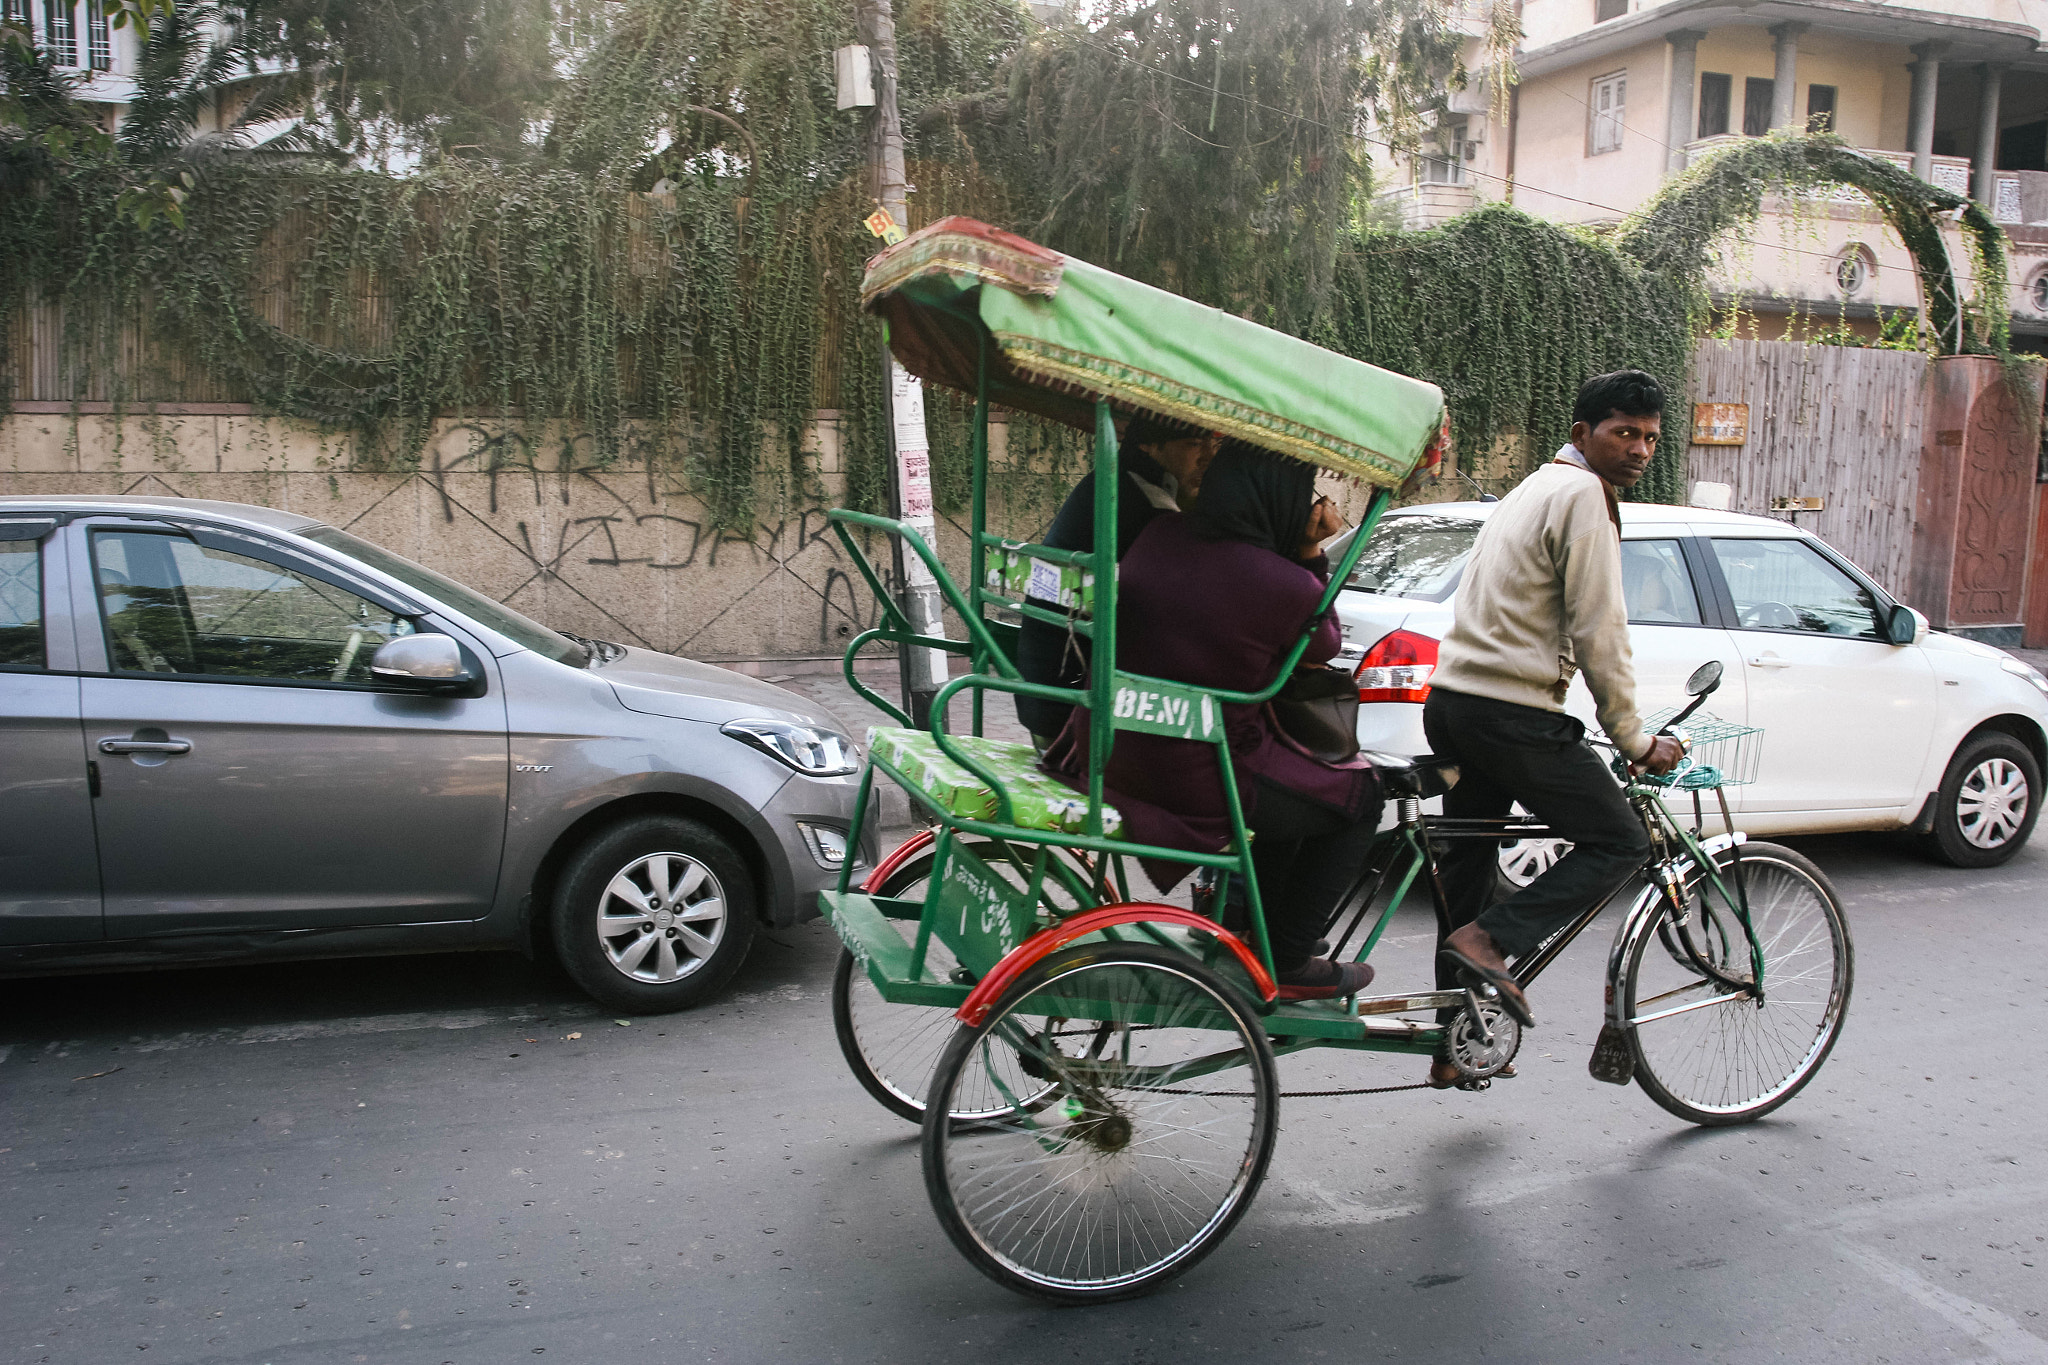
{"type": "Point", "coordinates": [1939, 735]}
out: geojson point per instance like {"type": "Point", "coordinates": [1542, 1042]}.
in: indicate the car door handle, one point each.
{"type": "Point", "coordinates": [117, 745]}
{"type": "Point", "coordinates": [1769, 661]}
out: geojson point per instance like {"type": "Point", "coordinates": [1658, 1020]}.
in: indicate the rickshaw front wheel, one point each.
{"type": "Point", "coordinates": [1150, 1146]}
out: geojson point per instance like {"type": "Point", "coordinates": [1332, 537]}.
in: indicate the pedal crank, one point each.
{"type": "Point", "coordinates": [1482, 1040]}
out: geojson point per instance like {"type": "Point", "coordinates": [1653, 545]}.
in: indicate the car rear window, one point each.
{"type": "Point", "coordinates": [1420, 557]}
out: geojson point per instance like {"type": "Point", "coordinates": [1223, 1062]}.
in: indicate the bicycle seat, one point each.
{"type": "Point", "coordinates": [1420, 775]}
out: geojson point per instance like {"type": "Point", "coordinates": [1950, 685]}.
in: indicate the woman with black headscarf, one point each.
{"type": "Point", "coordinates": [1217, 597]}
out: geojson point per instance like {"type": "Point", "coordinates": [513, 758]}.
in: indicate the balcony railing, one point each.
{"type": "Point", "coordinates": [1947, 172]}
{"type": "Point", "coordinates": [1428, 204]}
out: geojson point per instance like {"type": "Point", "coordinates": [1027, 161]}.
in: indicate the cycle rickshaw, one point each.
{"type": "Point", "coordinates": [1095, 1073]}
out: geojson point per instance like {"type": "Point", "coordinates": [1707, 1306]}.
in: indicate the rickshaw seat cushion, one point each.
{"type": "Point", "coordinates": [1038, 800]}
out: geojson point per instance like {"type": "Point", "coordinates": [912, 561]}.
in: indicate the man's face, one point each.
{"type": "Point", "coordinates": [1187, 460]}
{"type": "Point", "coordinates": [1620, 447]}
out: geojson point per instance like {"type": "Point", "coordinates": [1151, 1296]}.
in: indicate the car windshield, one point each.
{"type": "Point", "coordinates": [507, 622]}
{"type": "Point", "coordinates": [1418, 556]}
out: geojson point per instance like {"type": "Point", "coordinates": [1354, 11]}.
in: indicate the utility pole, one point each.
{"type": "Point", "coordinates": [923, 670]}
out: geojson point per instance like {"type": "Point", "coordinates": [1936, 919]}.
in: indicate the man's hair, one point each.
{"type": "Point", "coordinates": [1631, 393]}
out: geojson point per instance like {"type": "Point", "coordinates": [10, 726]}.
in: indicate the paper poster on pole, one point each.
{"type": "Point", "coordinates": [914, 505]}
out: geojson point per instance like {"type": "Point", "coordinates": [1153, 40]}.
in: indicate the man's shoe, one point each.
{"type": "Point", "coordinates": [1321, 979]}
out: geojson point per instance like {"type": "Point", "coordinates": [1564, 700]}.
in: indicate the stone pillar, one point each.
{"type": "Point", "coordinates": [1785, 80]}
{"type": "Point", "coordinates": [1678, 124]}
{"type": "Point", "coordinates": [1982, 180]}
{"type": "Point", "coordinates": [1926, 83]}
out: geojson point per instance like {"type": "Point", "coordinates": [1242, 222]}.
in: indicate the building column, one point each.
{"type": "Point", "coordinates": [1678, 124]}
{"type": "Point", "coordinates": [1785, 79]}
{"type": "Point", "coordinates": [1983, 181]}
{"type": "Point", "coordinates": [1926, 83]}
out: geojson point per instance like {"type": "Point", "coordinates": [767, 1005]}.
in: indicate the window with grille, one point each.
{"type": "Point", "coordinates": [1758, 97]}
{"type": "Point", "coordinates": [99, 42]}
{"type": "Point", "coordinates": [1714, 90]}
{"type": "Point", "coordinates": [1606, 110]}
{"type": "Point", "coordinates": [60, 32]}
{"type": "Point", "coordinates": [14, 12]}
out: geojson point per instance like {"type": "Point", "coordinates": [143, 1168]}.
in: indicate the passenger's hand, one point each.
{"type": "Point", "coordinates": [1323, 522]}
{"type": "Point", "coordinates": [1665, 751]}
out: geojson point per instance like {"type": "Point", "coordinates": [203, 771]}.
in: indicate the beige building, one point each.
{"type": "Point", "coordinates": [1617, 96]}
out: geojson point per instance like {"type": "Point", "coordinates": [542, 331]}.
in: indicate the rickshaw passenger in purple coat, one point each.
{"type": "Point", "coordinates": [1217, 597]}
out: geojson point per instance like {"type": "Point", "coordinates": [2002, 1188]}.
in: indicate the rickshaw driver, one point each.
{"type": "Point", "coordinates": [1541, 599]}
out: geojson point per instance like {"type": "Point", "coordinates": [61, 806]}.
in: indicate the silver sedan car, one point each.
{"type": "Point", "coordinates": [232, 733]}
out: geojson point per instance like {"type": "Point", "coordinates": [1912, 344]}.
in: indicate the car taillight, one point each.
{"type": "Point", "coordinates": [1397, 668]}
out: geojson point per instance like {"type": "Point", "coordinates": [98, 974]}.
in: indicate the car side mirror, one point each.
{"type": "Point", "coordinates": [1705, 679]}
{"type": "Point", "coordinates": [1906, 626]}
{"type": "Point", "coordinates": [427, 663]}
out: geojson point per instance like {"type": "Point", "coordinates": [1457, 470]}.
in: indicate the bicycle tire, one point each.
{"type": "Point", "coordinates": [1063, 1205]}
{"type": "Point", "coordinates": [1735, 1061]}
{"type": "Point", "coordinates": [892, 1050]}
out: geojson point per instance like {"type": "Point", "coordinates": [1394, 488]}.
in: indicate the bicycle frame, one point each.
{"type": "Point", "coordinates": [1666, 872]}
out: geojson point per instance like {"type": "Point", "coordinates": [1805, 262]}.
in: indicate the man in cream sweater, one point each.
{"type": "Point", "coordinates": [1540, 601]}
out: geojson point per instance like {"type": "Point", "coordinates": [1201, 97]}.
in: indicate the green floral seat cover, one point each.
{"type": "Point", "coordinates": [1037, 800]}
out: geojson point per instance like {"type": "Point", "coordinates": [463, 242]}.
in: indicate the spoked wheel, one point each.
{"type": "Point", "coordinates": [893, 1049]}
{"type": "Point", "coordinates": [1155, 1136]}
{"type": "Point", "coordinates": [1715, 1055]}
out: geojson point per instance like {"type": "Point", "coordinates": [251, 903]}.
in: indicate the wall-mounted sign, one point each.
{"type": "Point", "coordinates": [1720, 424]}
{"type": "Point", "coordinates": [1799, 504]}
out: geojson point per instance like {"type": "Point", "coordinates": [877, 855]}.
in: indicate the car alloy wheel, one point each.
{"type": "Point", "coordinates": [1987, 803]}
{"type": "Point", "coordinates": [661, 917]}
{"type": "Point", "coordinates": [1992, 803]}
{"type": "Point", "coordinates": [654, 913]}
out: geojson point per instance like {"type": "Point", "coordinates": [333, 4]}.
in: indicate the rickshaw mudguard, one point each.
{"type": "Point", "coordinates": [1046, 942]}
{"type": "Point", "coordinates": [903, 853]}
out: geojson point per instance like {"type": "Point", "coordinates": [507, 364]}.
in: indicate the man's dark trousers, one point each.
{"type": "Point", "coordinates": [1507, 753]}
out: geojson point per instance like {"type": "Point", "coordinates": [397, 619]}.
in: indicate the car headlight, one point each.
{"type": "Point", "coordinates": [2020, 669]}
{"type": "Point", "coordinates": [810, 749]}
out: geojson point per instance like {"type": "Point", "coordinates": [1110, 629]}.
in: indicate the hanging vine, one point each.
{"type": "Point", "coordinates": [672, 271]}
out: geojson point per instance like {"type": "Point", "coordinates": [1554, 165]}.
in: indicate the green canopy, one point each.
{"type": "Point", "coordinates": [1058, 334]}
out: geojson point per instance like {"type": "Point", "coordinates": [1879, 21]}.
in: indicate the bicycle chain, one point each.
{"type": "Point", "coordinates": [1296, 1094]}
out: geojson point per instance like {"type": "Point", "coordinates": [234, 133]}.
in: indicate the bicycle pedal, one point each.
{"type": "Point", "coordinates": [1613, 1061]}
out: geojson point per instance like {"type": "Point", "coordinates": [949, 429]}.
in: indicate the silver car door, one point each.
{"type": "Point", "coordinates": [252, 775]}
{"type": "Point", "coordinates": [49, 868]}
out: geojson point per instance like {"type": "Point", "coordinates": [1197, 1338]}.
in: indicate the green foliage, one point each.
{"type": "Point", "coordinates": [1509, 315]}
{"type": "Point", "coordinates": [672, 268]}
{"type": "Point", "coordinates": [1205, 147]}
{"type": "Point", "coordinates": [1676, 233]}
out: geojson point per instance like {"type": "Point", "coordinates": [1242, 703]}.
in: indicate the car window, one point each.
{"type": "Point", "coordinates": [1656, 585]}
{"type": "Point", "coordinates": [1417, 557]}
{"type": "Point", "coordinates": [1789, 585]}
{"type": "Point", "coordinates": [171, 606]}
{"type": "Point", "coordinates": [21, 604]}
{"type": "Point", "coordinates": [521, 630]}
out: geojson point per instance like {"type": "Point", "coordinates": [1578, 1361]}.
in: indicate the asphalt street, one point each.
{"type": "Point", "coordinates": [457, 1160]}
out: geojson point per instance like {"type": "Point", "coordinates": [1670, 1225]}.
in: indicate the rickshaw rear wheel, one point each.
{"type": "Point", "coordinates": [892, 1050]}
{"type": "Point", "coordinates": [1150, 1146]}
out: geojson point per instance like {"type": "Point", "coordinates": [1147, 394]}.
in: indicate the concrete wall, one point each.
{"type": "Point", "coordinates": [622, 552]}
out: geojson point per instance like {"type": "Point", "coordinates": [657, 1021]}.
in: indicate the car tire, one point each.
{"type": "Point", "coordinates": [1987, 803]}
{"type": "Point", "coordinates": [654, 914]}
